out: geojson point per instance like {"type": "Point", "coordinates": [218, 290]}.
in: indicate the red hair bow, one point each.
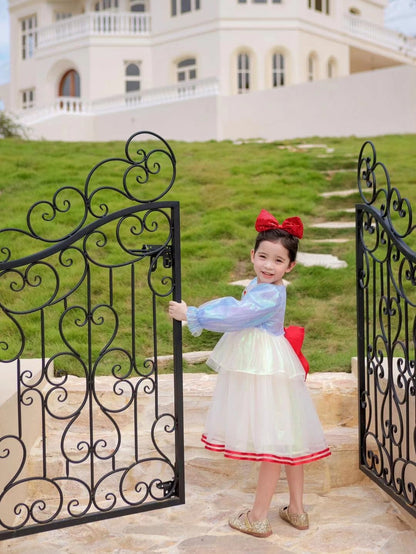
{"type": "Point", "coordinates": [292, 225]}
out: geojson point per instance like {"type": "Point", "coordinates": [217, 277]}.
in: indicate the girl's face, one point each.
{"type": "Point", "coordinates": [271, 262]}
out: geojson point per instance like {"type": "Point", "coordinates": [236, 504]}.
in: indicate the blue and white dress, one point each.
{"type": "Point", "coordinates": [261, 408]}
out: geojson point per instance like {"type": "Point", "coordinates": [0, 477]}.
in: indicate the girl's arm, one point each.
{"type": "Point", "coordinates": [228, 314]}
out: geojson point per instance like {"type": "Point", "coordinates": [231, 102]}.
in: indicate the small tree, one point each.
{"type": "Point", "coordinates": [10, 128]}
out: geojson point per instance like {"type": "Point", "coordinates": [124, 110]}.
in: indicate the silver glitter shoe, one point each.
{"type": "Point", "coordinates": [300, 521]}
{"type": "Point", "coordinates": [240, 521]}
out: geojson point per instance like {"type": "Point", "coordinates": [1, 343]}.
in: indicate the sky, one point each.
{"type": "Point", "coordinates": [4, 43]}
{"type": "Point", "coordinates": [4, 46]}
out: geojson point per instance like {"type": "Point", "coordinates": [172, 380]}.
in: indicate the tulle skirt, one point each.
{"type": "Point", "coordinates": [261, 408]}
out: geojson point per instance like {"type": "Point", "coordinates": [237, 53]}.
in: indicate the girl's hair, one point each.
{"type": "Point", "coordinates": [279, 235]}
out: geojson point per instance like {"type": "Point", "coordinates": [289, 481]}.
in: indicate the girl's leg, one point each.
{"type": "Point", "coordinates": [295, 479]}
{"type": "Point", "coordinates": [269, 475]}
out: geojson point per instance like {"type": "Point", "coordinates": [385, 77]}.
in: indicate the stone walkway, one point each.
{"type": "Point", "coordinates": [349, 514]}
{"type": "Point", "coordinates": [347, 520]}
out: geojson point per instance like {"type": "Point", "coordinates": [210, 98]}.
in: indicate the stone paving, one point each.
{"type": "Point", "coordinates": [348, 512]}
{"type": "Point", "coordinates": [354, 519]}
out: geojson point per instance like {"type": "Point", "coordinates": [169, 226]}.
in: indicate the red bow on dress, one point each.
{"type": "Point", "coordinates": [292, 225]}
{"type": "Point", "coordinates": [295, 336]}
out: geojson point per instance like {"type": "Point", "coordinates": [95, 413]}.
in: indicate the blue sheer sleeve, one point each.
{"type": "Point", "coordinates": [228, 314]}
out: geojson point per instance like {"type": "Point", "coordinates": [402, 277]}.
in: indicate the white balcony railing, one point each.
{"type": "Point", "coordinates": [108, 23]}
{"type": "Point", "coordinates": [162, 95]}
{"type": "Point", "coordinates": [95, 24]}
{"type": "Point", "coordinates": [377, 34]}
{"type": "Point", "coordinates": [77, 106]}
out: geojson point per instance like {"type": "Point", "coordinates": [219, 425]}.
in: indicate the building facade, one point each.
{"type": "Point", "coordinates": [93, 58]}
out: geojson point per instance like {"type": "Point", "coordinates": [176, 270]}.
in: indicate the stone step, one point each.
{"type": "Point", "coordinates": [338, 470]}
{"type": "Point", "coordinates": [334, 395]}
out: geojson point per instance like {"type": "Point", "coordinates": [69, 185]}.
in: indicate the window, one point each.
{"type": "Point", "coordinates": [312, 67]}
{"type": "Point", "coordinates": [70, 84]}
{"type": "Point", "coordinates": [132, 76]}
{"type": "Point", "coordinates": [186, 70]}
{"type": "Point", "coordinates": [332, 68]}
{"type": "Point", "coordinates": [278, 70]}
{"type": "Point", "coordinates": [260, 1]}
{"type": "Point", "coordinates": [243, 73]}
{"type": "Point", "coordinates": [138, 6]}
{"type": "Point", "coordinates": [319, 5]}
{"type": "Point", "coordinates": [184, 6]}
{"type": "Point", "coordinates": [28, 98]}
{"type": "Point", "coordinates": [105, 5]}
{"type": "Point", "coordinates": [28, 27]}
{"type": "Point", "coordinates": [354, 11]}
{"type": "Point", "coordinates": [60, 16]}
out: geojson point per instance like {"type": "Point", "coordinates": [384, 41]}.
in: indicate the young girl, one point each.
{"type": "Point", "coordinates": [261, 409]}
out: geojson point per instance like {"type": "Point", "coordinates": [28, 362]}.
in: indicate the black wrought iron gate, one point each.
{"type": "Point", "coordinates": [89, 428]}
{"type": "Point", "coordinates": [386, 310]}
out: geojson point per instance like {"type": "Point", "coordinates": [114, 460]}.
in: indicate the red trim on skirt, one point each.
{"type": "Point", "coordinates": [255, 457]}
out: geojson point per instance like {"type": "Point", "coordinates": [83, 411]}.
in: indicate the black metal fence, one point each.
{"type": "Point", "coordinates": [89, 429]}
{"type": "Point", "coordinates": [386, 311]}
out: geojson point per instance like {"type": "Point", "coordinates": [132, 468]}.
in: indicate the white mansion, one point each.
{"type": "Point", "coordinates": [208, 69]}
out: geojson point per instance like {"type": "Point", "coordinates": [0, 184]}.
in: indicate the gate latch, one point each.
{"type": "Point", "coordinates": [166, 255]}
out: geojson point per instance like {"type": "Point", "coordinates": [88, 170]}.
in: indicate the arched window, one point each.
{"type": "Point", "coordinates": [332, 68]}
{"type": "Point", "coordinates": [312, 67]}
{"type": "Point", "coordinates": [138, 6]}
{"type": "Point", "coordinates": [132, 76]}
{"type": "Point", "coordinates": [243, 73]}
{"type": "Point", "coordinates": [186, 70]}
{"type": "Point", "coordinates": [70, 84]}
{"type": "Point", "coordinates": [278, 70]}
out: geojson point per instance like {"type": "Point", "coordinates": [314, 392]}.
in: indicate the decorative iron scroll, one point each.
{"type": "Point", "coordinates": [386, 317]}
{"type": "Point", "coordinates": [89, 429]}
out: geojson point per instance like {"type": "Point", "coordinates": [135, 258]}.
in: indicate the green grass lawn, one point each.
{"type": "Point", "coordinates": [221, 187]}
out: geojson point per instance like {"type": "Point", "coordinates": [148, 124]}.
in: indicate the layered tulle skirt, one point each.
{"type": "Point", "coordinates": [261, 408]}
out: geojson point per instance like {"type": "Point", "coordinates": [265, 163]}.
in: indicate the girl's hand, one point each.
{"type": "Point", "coordinates": [177, 310]}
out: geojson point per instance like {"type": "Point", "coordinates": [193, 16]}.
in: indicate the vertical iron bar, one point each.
{"type": "Point", "coordinates": [89, 378]}
{"type": "Point", "coordinates": [360, 329]}
{"type": "Point", "coordinates": [177, 355]}
{"type": "Point", "coordinates": [155, 352]}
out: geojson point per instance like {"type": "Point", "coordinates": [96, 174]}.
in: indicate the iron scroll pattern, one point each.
{"type": "Point", "coordinates": [386, 331]}
{"type": "Point", "coordinates": [109, 441]}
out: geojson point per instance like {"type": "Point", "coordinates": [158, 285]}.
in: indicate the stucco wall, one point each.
{"type": "Point", "coordinates": [364, 104]}
{"type": "Point", "coordinates": [372, 103]}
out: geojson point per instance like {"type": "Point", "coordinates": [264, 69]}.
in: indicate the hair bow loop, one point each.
{"type": "Point", "coordinates": [292, 225]}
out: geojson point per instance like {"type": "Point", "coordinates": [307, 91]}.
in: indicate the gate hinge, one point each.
{"type": "Point", "coordinates": [168, 487]}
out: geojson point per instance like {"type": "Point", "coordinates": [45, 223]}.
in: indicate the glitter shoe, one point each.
{"type": "Point", "coordinates": [300, 521]}
{"type": "Point", "coordinates": [241, 522]}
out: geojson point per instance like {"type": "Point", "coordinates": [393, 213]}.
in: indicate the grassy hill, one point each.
{"type": "Point", "coordinates": [222, 187]}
